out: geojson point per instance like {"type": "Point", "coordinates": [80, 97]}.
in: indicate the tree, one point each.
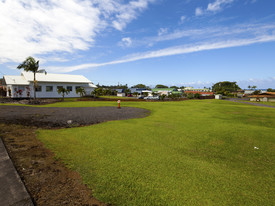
{"type": "Point", "coordinates": [136, 94]}
{"type": "Point", "coordinates": [174, 87]}
{"type": "Point", "coordinates": [139, 86]}
{"type": "Point", "coordinates": [127, 91]}
{"type": "Point", "coordinates": [154, 93]}
{"type": "Point", "coordinates": [190, 95]}
{"type": "Point", "coordinates": [80, 91]}
{"type": "Point", "coordinates": [256, 92]}
{"type": "Point", "coordinates": [270, 90]}
{"type": "Point", "coordinates": [197, 95]}
{"type": "Point", "coordinates": [63, 91]}
{"type": "Point", "coordinates": [31, 65]}
{"type": "Point", "coordinates": [97, 92]}
{"type": "Point", "coordinates": [162, 97]}
{"type": "Point", "coordinates": [254, 87]}
{"type": "Point", "coordinates": [226, 86]}
{"type": "Point", "coordinates": [145, 94]}
{"type": "Point", "coordinates": [161, 86]}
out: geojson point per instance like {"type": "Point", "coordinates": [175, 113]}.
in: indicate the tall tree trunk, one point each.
{"type": "Point", "coordinates": [34, 86]}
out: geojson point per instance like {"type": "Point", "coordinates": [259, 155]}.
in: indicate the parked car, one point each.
{"type": "Point", "coordinates": [152, 98]}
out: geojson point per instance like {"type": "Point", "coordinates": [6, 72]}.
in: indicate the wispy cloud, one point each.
{"type": "Point", "coordinates": [182, 19]}
{"type": "Point", "coordinates": [198, 11]}
{"type": "Point", "coordinates": [260, 83]}
{"type": "Point", "coordinates": [162, 31]}
{"type": "Point", "coordinates": [213, 7]}
{"type": "Point", "coordinates": [125, 42]}
{"type": "Point", "coordinates": [183, 49]}
{"type": "Point", "coordinates": [208, 33]}
{"type": "Point", "coordinates": [33, 28]}
{"type": "Point", "coordinates": [217, 5]}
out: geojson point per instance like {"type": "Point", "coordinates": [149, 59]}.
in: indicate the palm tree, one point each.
{"type": "Point", "coordinates": [63, 91]}
{"type": "Point", "coordinates": [31, 65]}
{"type": "Point", "coordinates": [80, 91]}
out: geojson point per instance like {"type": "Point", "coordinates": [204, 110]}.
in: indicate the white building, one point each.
{"type": "Point", "coordinates": [47, 85]}
{"type": "Point", "coordinates": [218, 96]}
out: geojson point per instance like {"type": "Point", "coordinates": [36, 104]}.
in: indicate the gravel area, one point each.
{"type": "Point", "coordinates": [57, 117]}
{"type": "Point", "coordinates": [251, 103]}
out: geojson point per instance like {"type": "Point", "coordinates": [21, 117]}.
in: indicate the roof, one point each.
{"type": "Point", "coordinates": [163, 89]}
{"type": "Point", "coordinates": [15, 80]}
{"type": "Point", "coordinates": [195, 92]}
{"type": "Point", "coordinates": [267, 94]}
{"type": "Point", "coordinates": [92, 85]}
{"type": "Point", "coordinates": [119, 90]}
{"type": "Point", "coordinates": [49, 77]}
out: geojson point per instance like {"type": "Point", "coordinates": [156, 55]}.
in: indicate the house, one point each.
{"type": "Point", "coordinates": [166, 91]}
{"type": "Point", "coordinates": [120, 92]}
{"type": "Point", "coordinates": [137, 90]}
{"type": "Point", "coordinates": [202, 93]}
{"type": "Point", "coordinates": [218, 96]}
{"type": "Point", "coordinates": [248, 92]}
{"type": "Point", "coordinates": [198, 90]}
{"type": "Point", "coordinates": [47, 85]}
{"type": "Point", "coordinates": [264, 97]}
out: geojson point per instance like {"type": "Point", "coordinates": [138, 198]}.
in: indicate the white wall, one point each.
{"type": "Point", "coordinates": [49, 94]}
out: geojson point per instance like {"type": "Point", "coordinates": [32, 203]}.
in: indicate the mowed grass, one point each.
{"type": "Point", "coordinates": [184, 153]}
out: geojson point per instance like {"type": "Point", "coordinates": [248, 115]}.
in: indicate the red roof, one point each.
{"type": "Point", "coordinates": [197, 92]}
{"type": "Point", "coordinates": [266, 94]}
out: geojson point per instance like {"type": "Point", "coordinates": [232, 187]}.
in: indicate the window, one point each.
{"type": "Point", "coordinates": [59, 87]}
{"type": "Point", "coordinates": [49, 88]}
{"type": "Point", "coordinates": [77, 87]}
{"type": "Point", "coordinates": [38, 89]}
{"type": "Point", "coordinates": [70, 88]}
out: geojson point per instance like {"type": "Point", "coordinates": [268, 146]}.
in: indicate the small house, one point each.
{"type": "Point", "coordinates": [46, 85]}
{"type": "Point", "coordinates": [264, 97]}
{"type": "Point", "coordinates": [218, 96]}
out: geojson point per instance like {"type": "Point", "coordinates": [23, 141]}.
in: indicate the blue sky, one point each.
{"type": "Point", "coordinates": [172, 42]}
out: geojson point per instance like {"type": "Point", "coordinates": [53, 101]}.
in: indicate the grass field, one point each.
{"type": "Point", "coordinates": [184, 153]}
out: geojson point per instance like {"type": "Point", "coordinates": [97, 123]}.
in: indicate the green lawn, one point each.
{"type": "Point", "coordinates": [198, 152]}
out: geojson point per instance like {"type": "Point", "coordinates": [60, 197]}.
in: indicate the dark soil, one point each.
{"type": "Point", "coordinates": [57, 117]}
{"type": "Point", "coordinates": [47, 179]}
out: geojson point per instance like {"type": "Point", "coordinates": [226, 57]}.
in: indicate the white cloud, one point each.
{"type": "Point", "coordinates": [162, 31]}
{"type": "Point", "coordinates": [217, 5]}
{"type": "Point", "coordinates": [213, 7]}
{"type": "Point", "coordinates": [183, 49]}
{"type": "Point", "coordinates": [126, 42]}
{"type": "Point", "coordinates": [35, 27]}
{"type": "Point", "coordinates": [199, 11]}
{"type": "Point", "coordinates": [127, 13]}
{"type": "Point", "coordinates": [248, 30]}
{"type": "Point", "coordinates": [182, 19]}
{"type": "Point", "coordinates": [260, 83]}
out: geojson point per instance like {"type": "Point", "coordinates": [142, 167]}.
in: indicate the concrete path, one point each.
{"type": "Point", "coordinates": [251, 103]}
{"type": "Point", "coordinates": [12, 189]}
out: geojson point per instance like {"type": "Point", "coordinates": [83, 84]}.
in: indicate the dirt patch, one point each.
{"type": "Point", "coordinates": [47, 179]}
{"type": "Point", "coordinates": [58, 117]}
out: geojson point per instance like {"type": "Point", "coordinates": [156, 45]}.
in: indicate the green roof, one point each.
{"type": "Point", "coordinates": [163, 89]}
{"type": "Point", "coordinates": [176, 92]}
